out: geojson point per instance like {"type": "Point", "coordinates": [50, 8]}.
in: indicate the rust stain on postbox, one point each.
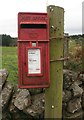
{"type": "Point", "coordinates": [33, 50]}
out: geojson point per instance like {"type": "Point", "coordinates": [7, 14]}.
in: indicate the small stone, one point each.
{"type": "Point", "coordinates": [83, 100]}
{"type": "Point", "coordinates": [6, 95]}
{"type": "Point", "coordinates": [16, 113]}
{"type": "Point", "coordinates": [66, 95]}
{"type": "Point", "coordinates": [23, 99]}
{"type": "Point", "coordinates": [77, 91]}
{"type": "Point", "coordinates": [3, 76]}
{"type": "Point", "coordinates": [68, 78]}
{"type": "Point", "coordinates": [81, 77]}
{"type": "Point", "coordinates": [76, 116]}
{"type": "Point", "coordinates": [3, 72]}
{"type": "Point", "coordinates": [37, 107]}
{"type": "Point", "coordinates": [74, 105]}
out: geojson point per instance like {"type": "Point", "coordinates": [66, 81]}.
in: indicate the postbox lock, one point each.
{"type": "Point", "coordinates": [34, 44]}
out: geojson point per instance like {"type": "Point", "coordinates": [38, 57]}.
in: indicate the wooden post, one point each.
{"type": "Point", "coordinates": [83, 55]}
{"type": "Point", "coordinates": [83, 36]}
{"type": "Point", "coordinates": [66, 49]}
{"type": "Point", "coordinates": [53, 95]}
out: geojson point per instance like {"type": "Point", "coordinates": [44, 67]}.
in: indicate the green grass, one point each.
{"type": "Point", "coordinates": [9, 61]}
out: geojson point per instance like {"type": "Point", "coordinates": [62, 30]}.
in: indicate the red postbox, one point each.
{"type": "Point", "coordinates": [33, 50]}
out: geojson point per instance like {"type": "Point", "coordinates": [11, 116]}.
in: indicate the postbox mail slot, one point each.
{"type": "Point", "coordinates": [33, 26]}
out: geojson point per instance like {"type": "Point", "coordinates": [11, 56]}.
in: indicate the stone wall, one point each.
{"type": "Point", "coordinates": [22, 104]}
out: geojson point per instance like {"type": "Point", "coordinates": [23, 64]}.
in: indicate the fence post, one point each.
{"type": "Point", "coordinates": [83, 55]}
{"type": "Point", "coordinates": [53, 95]}
{"type": "Point", "coordinates": [83, 36]}
{"type": "Point", "coordinates": [66, 49]}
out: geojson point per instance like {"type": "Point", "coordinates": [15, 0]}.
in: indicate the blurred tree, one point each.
{"type": "Point", "coordinates": [6, 40]}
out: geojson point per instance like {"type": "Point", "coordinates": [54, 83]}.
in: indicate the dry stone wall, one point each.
{"type": "Point", "coordinates": [25, 104]}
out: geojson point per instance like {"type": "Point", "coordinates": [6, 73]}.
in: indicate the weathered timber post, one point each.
{"type": "Point", "coordinates": [53, 95]}
{"type": "Point", "coordinates": [83, 55]}
{"type": "Point", "coordinates": [83, 36]}
{"type": "Point", "coordinates": [66, 49]}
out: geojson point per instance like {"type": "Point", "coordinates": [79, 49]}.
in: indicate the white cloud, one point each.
{"type": "Point", "coordinates": [32, 5]}
{"type": "Point", "coordinates": [9, 27]}
{"type": "Point", "coordinates": [10, 8]}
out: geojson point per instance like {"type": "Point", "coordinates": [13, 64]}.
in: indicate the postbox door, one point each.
{"type": "Point", "coordinates": [33, 50]}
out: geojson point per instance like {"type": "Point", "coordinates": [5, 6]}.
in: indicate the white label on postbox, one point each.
{"type": "Point", "coordinates": [34, 61]}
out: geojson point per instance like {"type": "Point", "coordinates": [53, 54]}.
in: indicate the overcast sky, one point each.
{"type": "Point", "coordinates": [10, 8]}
